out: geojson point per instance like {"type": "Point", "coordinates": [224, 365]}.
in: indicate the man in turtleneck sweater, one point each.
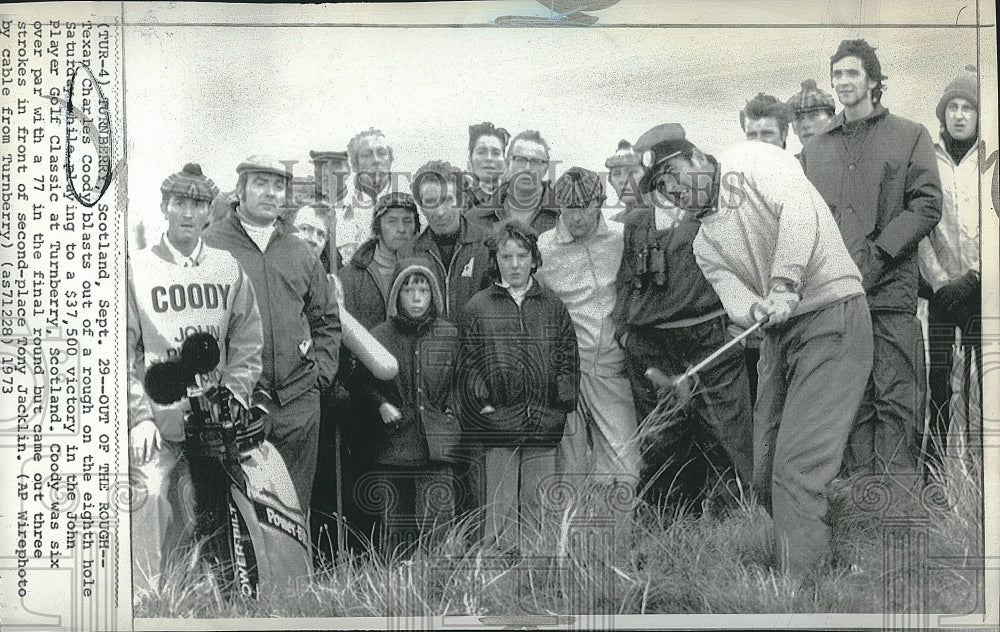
{"type": "Point", "coordinates": [950, 259]}
{"type": "Point", "coordinates": [301, 321]}
{"type": "Point", "coordinates": [366, 279]}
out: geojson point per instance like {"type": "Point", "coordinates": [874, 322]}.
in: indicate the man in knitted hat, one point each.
{"type": "Point", "coordinates": [176, 287]}
{"type": "Point", "coordinates": [366, 278]}
{"type": "Point", "coordinates": [766, 119]}
{"type": "Point", "coordinates": [625, 171]}
{"type": "Point", "coordinates": [668, 317]}
{"type": "Point", "coordinates": [580, 258]}
{"type": "Point", "coordinates": [812, 110]}
{"type": "Point", "coordinates": [950, 261]}
{"type": "Point", "coordinates": [878, 174]}
{"type": "Point", "coordinates": [301, 321]}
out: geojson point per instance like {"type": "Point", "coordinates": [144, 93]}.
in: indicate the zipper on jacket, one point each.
{"type": "Point", "coordinates": [447, 294]}
{"type": "Point", "coordinates": [600, 333]}
{"type": "Point", "coordinates": [447, 272]}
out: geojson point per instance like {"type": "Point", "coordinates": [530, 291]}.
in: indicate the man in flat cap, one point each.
{"type": "Point", "coordinates": [950, 265]}
{"type": "Point", "coordinates": [580, 258]}
{"type": "Point", "coordinates": [668, 317]}
{"type": "Point", "coordinates": [771, 249]}
{"type": "Point", "coordinates": [812, 110]}
{"type": "Point", "coordinates": [176, 287]}
{"type": "Point", "coordinates": [878, 174]}
{"type": "Point", "coordinates": [300, 317]}
{"type": "Point", "coordinates": [766, 119]}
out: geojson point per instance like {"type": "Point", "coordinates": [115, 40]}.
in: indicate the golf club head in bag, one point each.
{"type": "Point", "coordinates": [253, 531]}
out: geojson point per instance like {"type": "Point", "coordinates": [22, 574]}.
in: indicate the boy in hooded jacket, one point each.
{"type": "Point", "coordinates": [411, 484]}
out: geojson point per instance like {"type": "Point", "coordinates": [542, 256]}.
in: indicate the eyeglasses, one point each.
{"type": "Point", "coordinates": [526, 161]}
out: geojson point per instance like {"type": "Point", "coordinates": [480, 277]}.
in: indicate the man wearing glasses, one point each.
{"type": "Point", "coordinates": [526, 195]}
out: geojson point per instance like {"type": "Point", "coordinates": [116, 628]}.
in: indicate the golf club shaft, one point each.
{"type": "Point", "coordinates": [724, 348]}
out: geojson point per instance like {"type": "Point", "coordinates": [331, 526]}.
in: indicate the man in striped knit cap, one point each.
{"type": "Point", "coordinates": [177, 287]}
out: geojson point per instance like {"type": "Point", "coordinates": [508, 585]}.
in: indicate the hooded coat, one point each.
{"type": "Point", "coordinates": [423, 389]}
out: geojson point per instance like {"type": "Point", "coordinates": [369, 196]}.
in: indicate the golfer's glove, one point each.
{"type": "Point", "coordinates": [781, 305]}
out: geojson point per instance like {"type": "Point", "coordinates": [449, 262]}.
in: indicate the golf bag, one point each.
{"type": "Point", "coordinates": [250, 529]}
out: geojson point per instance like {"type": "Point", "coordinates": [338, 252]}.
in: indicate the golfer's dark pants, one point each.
{"type": "Point", "coordinates": [891, 416]}
{"type": "Point", "coordinates": [941, 352]}
{"type": "Point", "coordinates": [719, 412]}
{"type": "Point", "coordinates": [813, 371]}
{"type": "Point", "coordinates": [293, 428]}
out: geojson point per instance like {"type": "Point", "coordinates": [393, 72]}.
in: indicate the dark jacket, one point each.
{"type": "Point", "coordinates": [488, 214]}
{"type": "Point", "coordinates": [364, 297]}
{"type": "Point", "coordinates": [423, 388]}
{"type": "Point", "coordinates": [465, 274]}
{"type": "Point", "coordinates": [298, 310]}
{"type": "Point", "coordinates": [524, 362]}
{"type": "Point", "coordinates": [682, 292]}
{"type": "Point", "coordinates": [883, 188]}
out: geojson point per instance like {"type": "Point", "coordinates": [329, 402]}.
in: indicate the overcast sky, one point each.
{"type": "Point", "coordinates": [215, 95]}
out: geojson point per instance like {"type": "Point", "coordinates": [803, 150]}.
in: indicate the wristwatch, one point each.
{"type": "Point", "coordinates": [782, 286]}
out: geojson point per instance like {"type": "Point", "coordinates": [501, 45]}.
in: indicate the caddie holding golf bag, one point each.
{"type": "Point", "coordinates": [176, 288]}
{"type": "Point", "coordinates": [252, 532]}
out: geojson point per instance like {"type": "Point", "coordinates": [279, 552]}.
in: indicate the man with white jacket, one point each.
{"type": "Point", "coordinates": [949, 258]}
{"type": "Point", "coordinates": [580, 260]}
{"type": "Point", "coordinates": [177, 287]}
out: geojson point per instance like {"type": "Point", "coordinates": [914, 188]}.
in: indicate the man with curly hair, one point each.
{"type": "Point", "coordinates": [766, 119]}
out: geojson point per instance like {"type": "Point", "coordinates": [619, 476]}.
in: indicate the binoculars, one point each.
{"type": "Point", "coordinates": [650, 267]}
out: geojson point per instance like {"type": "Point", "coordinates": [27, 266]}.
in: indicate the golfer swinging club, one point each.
{"type": "Point", "coordinates": [771, 249]}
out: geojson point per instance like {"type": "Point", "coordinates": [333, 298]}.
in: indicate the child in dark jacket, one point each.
{"type": "Point", "coordinates": [416, 431]}
{"type": "Point", "coordinates": [519, 375]}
